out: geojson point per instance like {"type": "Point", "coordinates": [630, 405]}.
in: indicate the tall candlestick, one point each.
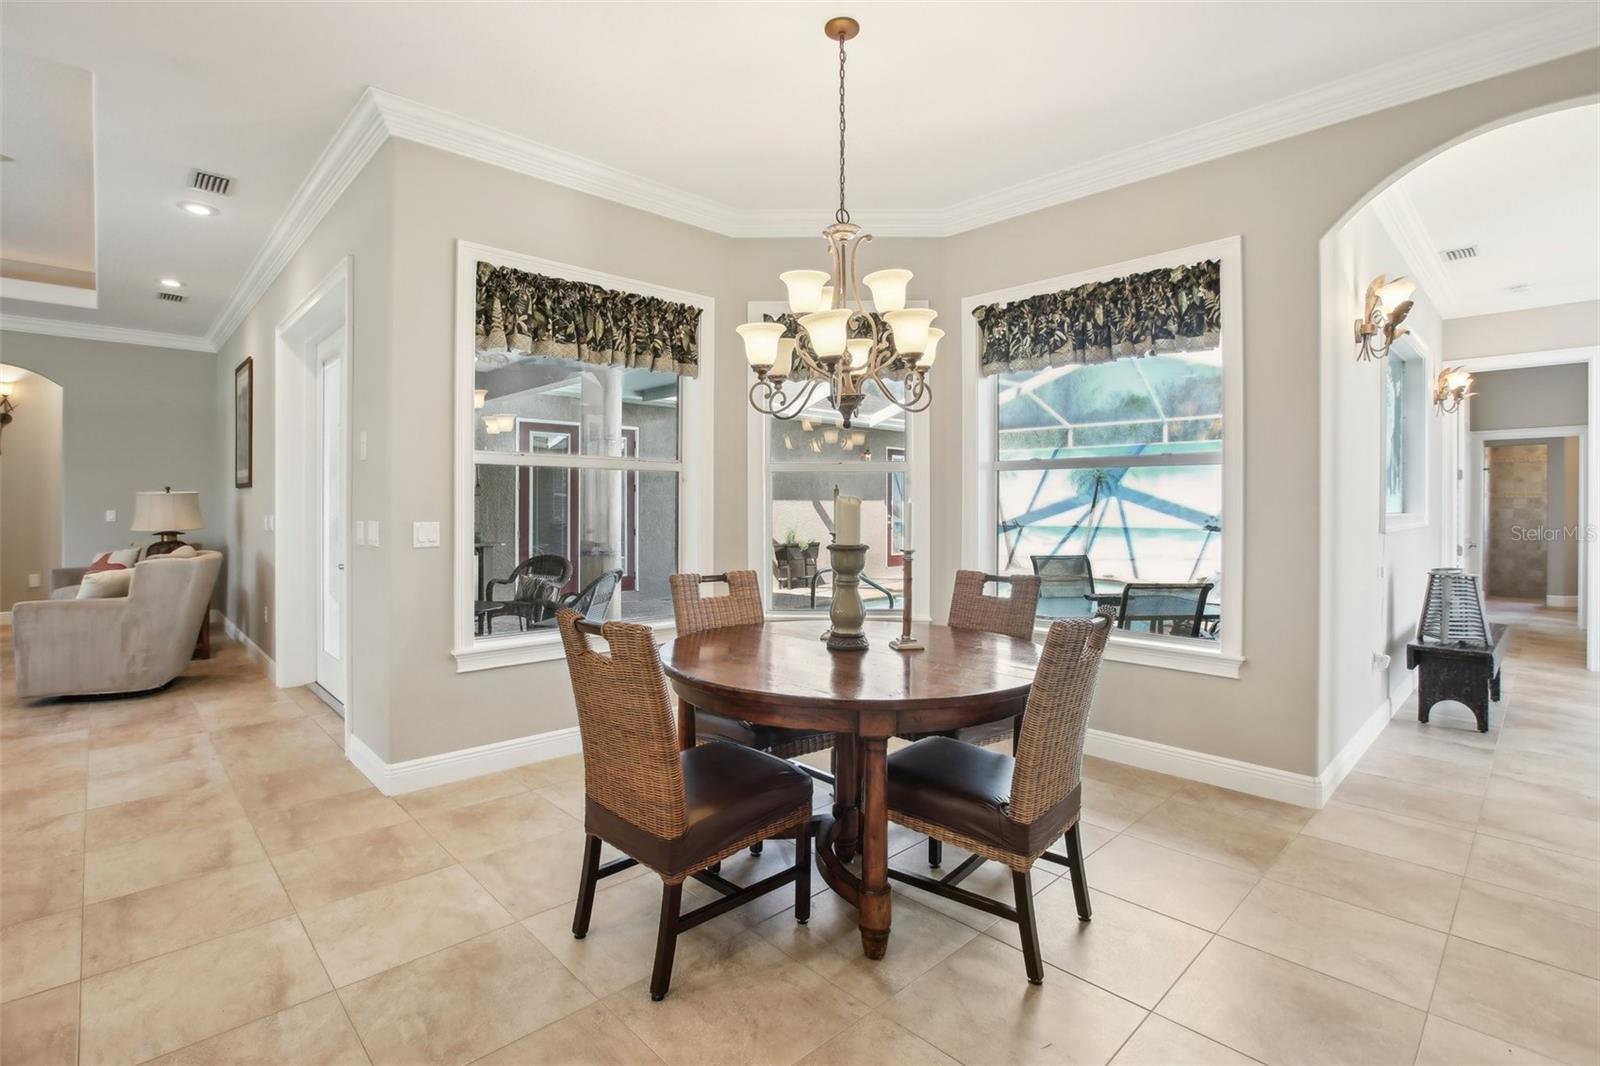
{"type": "Point", "coordinates": [905, 641]}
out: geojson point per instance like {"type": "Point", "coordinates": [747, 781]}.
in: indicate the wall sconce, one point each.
{"type": "Point", "coordinates": [497, 424]}
{"type": "Point", "coordinates": [1388, 303]}
{"type": "Point", "coordinates": [1454, 386]}
{"type": "Point", "coordinates": [7, 388]}
{"type": "Point", "coordinates": [478, 397]}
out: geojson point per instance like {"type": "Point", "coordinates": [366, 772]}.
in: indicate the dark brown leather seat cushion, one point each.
{"type": "Point", "coordinates": [729, 792]}
{"type": "Point", "coordinates": [784, 742]}
{"type": "Point", "coordinates": [968, 789]}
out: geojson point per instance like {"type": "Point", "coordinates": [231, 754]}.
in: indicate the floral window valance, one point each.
{"type": "Point", "coordinates": [859, 330]}
{"type": "Point", "coordinates": [531, 314]}
{"type": "Point", "coordinates": [1168, 310]}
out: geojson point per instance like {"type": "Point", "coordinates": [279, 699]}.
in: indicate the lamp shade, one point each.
{"type": "Point", "coordinates": [826, 329]}
{"type": "Point", "coordinates": [761, 342]}
{"type": "Point", "coordinates": [163, 512]}
{"type": "Point", "coordinates": [805, 290]}
{"type": "Point", "coordinates": [888, 289]}
{"type": "Point", "coordinates": [785, 362]}
{"type": "Point", "coordinates": [931, 352]}
{"type": "Point", "coordinates": [1396, 293]}
{"type": "Point", "coordinates": [910, 326]}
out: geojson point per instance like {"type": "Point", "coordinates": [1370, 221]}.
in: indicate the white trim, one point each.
{"type": "Point", "coordinates": [411, 775]}
{"type": "Point", "coordinates": [1561, 602]}
{"type": "Point", "coordinates": [1522, 360]}
{"type": "Point", "coordinates": [91, 331]}
{"type": "Point", "coordinates": [1222, 658]}
{"type": "Point", "coordinates": [696, 445]}
{"type": "Point", "coordinates": [44, 292]}
{"type": "Point", "coordinates": [1328, 780]}
{"type": "Point", "coordinates": [296, 478]}
{"type": "Point", "coordinates": [355, 142]}
{"type": "Point", "coordinates": [1397, 214]}
{"type": "Point", "coordinates": [758, 482]}
{"type": "Point", "coordinates": [251, 648]}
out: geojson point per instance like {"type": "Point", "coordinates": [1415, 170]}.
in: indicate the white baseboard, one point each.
{"type": "Point", "coordinates": [1339, 767]}
{"type": "Point", "coordinates": [251, 648]}
{"type": "Point", "coordinates": [1561, 601]}
{"type": "Point", "coordinates": [396, 778]}
{"type": "Point", "coordinates": [1257, 780]}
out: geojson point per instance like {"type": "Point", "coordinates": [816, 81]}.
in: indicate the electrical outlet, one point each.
{"type": "Point", "coordinates": [33, 581]}
{"type": "Point", "coordinates": [111, 516]}
{"type": "Point", "coordinates": [424, 534]}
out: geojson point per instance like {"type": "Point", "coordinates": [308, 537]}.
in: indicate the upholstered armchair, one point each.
{"type": "Point", "coordinates": [128, 644]}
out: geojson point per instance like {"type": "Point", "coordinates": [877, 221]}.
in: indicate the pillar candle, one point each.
{"type": "Point", "coordinates": [847, 520]}
{"type": "Point", "coordinates": [905, 525]}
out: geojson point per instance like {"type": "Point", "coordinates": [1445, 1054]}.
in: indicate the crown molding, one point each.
{"type": "Point", "coordinates": [1398, 216]}
{"type": "Point", "coordinates": [1564, 31]}
{"type": "Point", "coordinates": [379, 115]}
{"type": "Point", "coordinates": [355, 142]}
{"type": "Point", "coordinates": [89, 331]}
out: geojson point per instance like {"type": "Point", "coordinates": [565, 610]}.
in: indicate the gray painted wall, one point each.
{"type": "Point", "coordinates": [30, 488]}
{"type": "Point", "coordinates": [1282, 198]}
{"type": "Point", "coordinates": [133, 418]}
{"type": "Point", "coordinates": [1541, 329]}
{"type": "Point", "coordinates": [1534, 396]}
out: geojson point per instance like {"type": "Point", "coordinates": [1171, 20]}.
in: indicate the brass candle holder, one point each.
{"type": "Point", "coordinates": [846, 612]}
{"type": "Point", "coordinates": [905, 641]}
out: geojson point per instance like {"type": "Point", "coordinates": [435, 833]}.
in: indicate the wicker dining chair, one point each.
{"type": "Point", "coordinates": [1011, 809]}
{"type": "Point", "coordinates": [1013, 616]}
{"type": "Point", "coordinates": [695, 613]}
{"type": "Point", "coordinates": [678, 813]}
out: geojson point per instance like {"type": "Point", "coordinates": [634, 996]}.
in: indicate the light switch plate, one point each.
{"type": "Point", "coordinates": [33, 581]}
{"type": "Point", "coordinates": [111, 516]}
{"type": "Point", "coordinates": [361, 533]}
{"type": "Point", "coordinates": [372, 532]}
{"type": "Point", "coordinates": [424, 534]}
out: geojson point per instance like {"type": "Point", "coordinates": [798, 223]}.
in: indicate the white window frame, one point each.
{"type": "Point", "coordinates": [693, 465]}
{"type": "Point", "coordinates": [980, 483]}
{"type": "Point", "coordinates": [760, 469]}
{"type": "Point", "coordinates": [1418, 460]}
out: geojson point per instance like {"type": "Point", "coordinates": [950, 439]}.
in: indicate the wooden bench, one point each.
{"type": "Point", "coordinates": [1466, 673]}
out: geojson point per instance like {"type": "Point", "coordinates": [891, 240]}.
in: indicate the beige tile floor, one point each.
{"type": "Point", "coordinates": [198, 876]}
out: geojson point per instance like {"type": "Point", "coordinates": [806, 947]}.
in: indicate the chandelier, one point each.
{"type": "Point", "coordinates": [835, 340]}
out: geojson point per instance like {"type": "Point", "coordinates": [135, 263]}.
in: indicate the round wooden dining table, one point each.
{"type": "Point", "coordinates": [780, 674]}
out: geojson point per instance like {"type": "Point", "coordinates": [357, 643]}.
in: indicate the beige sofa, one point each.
{"type": "Point", "coordinates": [131, 644]}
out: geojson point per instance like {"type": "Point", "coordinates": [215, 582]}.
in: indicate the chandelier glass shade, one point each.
{"type": "Point", "coordinates": [842, 330]}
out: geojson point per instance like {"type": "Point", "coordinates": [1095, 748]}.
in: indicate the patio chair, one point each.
{"type": "Point", "coordinates": [1066, 577]}
{"type": "Point", "coordinates": [593, 601]}
{"type": "Point", "coordinates": [1176, 610]}
{"type": "Point", "coordinates": [535, 585]}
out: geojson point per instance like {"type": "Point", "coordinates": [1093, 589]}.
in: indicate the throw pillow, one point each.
{"type": "Point", "coordinates": [105, 585]}
{"type": "Point", "coordinates": [103, 563]}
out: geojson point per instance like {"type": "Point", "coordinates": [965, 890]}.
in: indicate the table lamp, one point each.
{"type": "Point", "coordinates": [166, 514]}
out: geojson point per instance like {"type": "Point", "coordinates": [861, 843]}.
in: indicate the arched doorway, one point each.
{"type": "Point", "coordinates": [30, 486]}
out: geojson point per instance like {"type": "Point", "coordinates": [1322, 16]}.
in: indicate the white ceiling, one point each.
{"type": "Point", "coordinates": [47, 187]}
{"type": "Point", "coordinates": [959, 112]}
{"type": "Point", "coordinates": [1527, 196]}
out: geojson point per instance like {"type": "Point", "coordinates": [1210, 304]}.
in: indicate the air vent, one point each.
{"type": "Point", "coordinates": [171, 297]}
{"type": "Point", "coordinates": [1466, 251]}
{"type": "Point", "coordinates": [212, 183]}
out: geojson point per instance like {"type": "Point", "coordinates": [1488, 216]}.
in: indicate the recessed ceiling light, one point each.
{"type": "Point", "coordinates": [171, 283]}
{"type": "Point", "coordinates": [194, 207]}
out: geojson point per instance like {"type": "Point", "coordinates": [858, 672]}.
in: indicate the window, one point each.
{"type": "Point", "coordinates": [796, 466]}
{"type": "Point", "coordinates": [585, 481]}
{"type": "Point", "coordinates": [1119, 474]}
{"type": "Point", "coordinates": [1406, 397]}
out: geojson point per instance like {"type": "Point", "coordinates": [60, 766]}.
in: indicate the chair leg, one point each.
{"type": "Point", "coordinates": [1080, 884]}
{"type": "Point", "coordinates": [802, 874]}
{"type": "Point", "coordinates": [935, 852]}
{"type": "Point", "coordinates": [755, 849]}
{"type": "Point", "coordinates": [666, 941]}
{"type": "Point", "coordinates": [1022, 887]}
{"type": "Point", "coordinates": [586, 883]}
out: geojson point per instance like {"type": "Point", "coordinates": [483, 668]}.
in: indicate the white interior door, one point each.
{"type": "Point", "coordinates": [331, 520]}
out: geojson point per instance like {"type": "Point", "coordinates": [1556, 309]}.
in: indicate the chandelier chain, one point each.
{"type": "Point", "coordinates": [841, 215]}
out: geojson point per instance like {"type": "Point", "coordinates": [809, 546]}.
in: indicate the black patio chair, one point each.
{"type": "Point", "coordinates": [536, 586]}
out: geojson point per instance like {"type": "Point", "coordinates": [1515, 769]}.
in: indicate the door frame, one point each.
{"type": "Point", "coordinates": [337, 330]}
{"type": "Point", "coordinates": [1588, 462]}
{"type": "Point", "coordinates": [296, 484]}
{"type": "Point", "coordinates": [1476, 486]}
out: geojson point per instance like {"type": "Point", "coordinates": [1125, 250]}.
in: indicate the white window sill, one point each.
{"type": "Point", "coordinates": [1193, 657]}
{"type": "Point", "coordinates": [541, 647]}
